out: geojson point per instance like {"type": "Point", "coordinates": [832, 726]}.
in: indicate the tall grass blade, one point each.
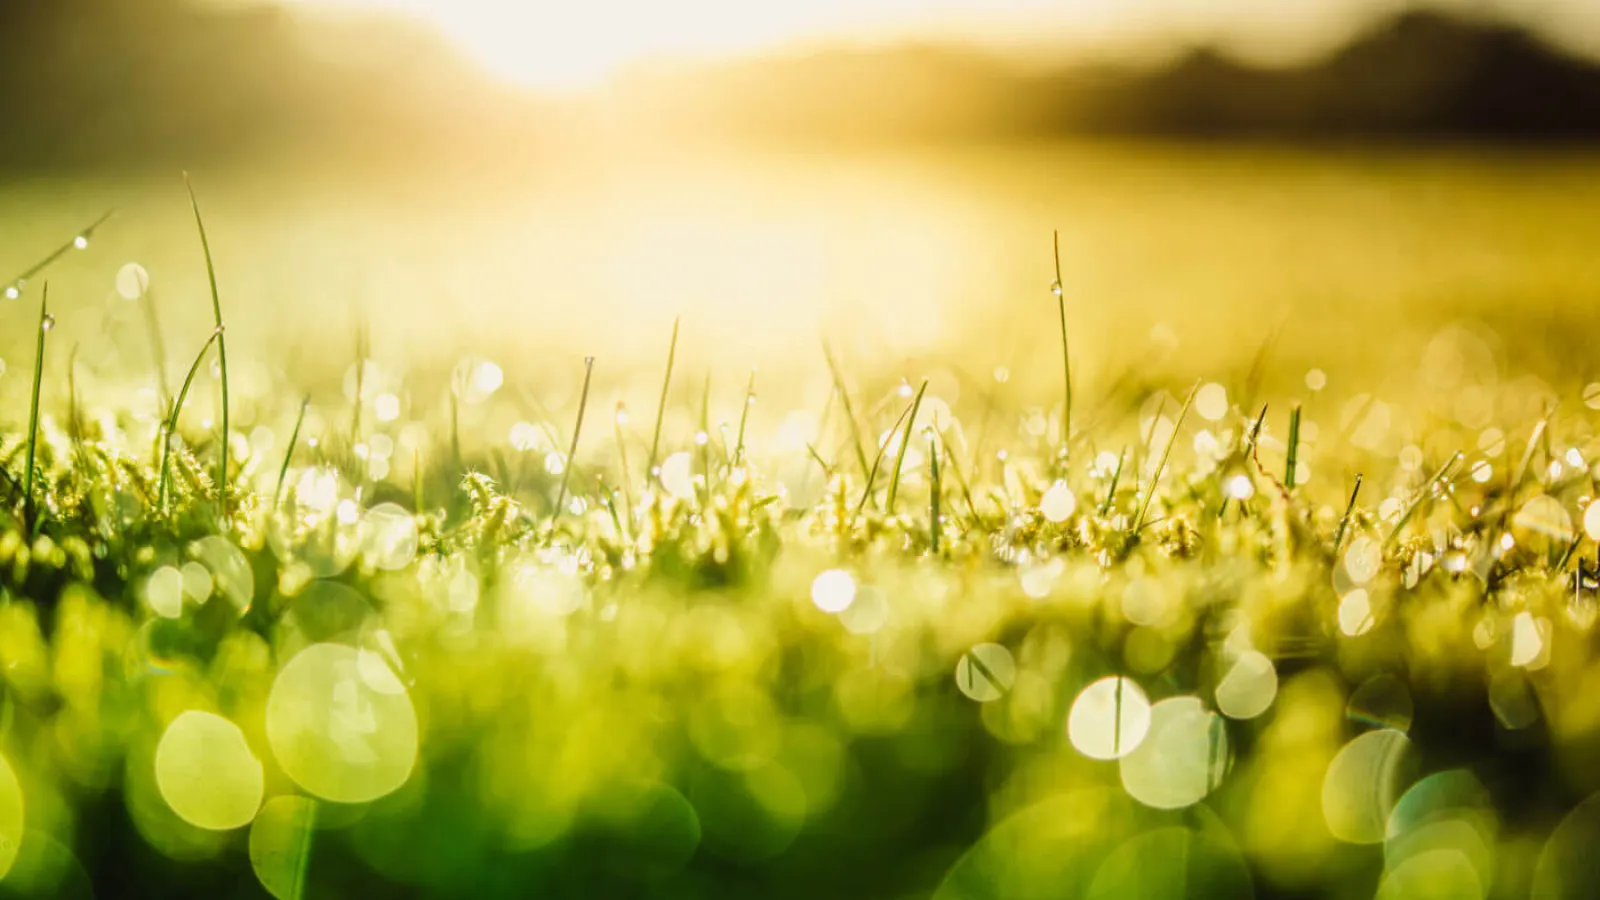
{"type": "Point", "coordinates": [849, 408]}
{"type": "Point", "coordinates": [577, 429]}
{"type": "Point", "coordinates": [661, 406]}
{"type": "Point", "coordinates": [1155, 480]}
{"type": "Point", "coordinates": [222, 345]}
{"type": "Point", "coordinates": [288, 454]}
{"type": "Point", "coordinates": [905, 443]}
{"type": "Point", "coordinates": [1116, 478]}
{"type": "Point", "coordinates": [877, 461]}
{"type": "Point", "coordinates": [1294, 447]}
{"type": "Point", "coordinates": [935, 489]}
{"type": "Point", "coordinates": [1344, 521]}
{"type": "Point", "coordinates": [1066, 357]}
{"type": "Point", "coordinates": [29, 508]}
{"type": "Point", "coordinates": [744, 418]}
{"type": "Point", "coordinates": [78, 241]}
{"type": "Point", "coordinates": [1422, 497]}
{"type": "Point", "coordinates": [172, 419]}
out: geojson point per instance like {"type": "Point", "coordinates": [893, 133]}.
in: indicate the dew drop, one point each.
{"type": "Point", "coordinates": [48, 322]}
{"type": "Point", "coordinates": [1055, 288]}
{"type": "Point", "coordinates": [81, 242]}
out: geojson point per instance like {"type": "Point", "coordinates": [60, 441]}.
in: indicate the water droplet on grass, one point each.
{"type": "Point", "coordinates": [48, 322]}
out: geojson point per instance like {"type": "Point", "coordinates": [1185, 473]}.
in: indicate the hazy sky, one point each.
{"type": "Point", "coordinates": [554, 43]}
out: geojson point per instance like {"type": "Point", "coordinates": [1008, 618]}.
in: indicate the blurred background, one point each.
{"type": "Point", "coordinates": [542, 179]}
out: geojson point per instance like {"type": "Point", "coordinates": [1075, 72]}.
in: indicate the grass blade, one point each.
{"type": "Point", "coordinates": [661, 407]}
{"type": "Point", "coordinates": [849, 408]}
{"type": "Point", "coordinates": [905, 442]}
{"type": "Point", "coordinates": [29, 509]}
{"type": "Point", "coordinates": [79, 241]}
{"type": "Point", "coordinates": [935, 489]}
{"type": "Point", "coordinates": [1155, 480]}
{"type": "Point", "coordinates": [744, 418]}
{"type": "Point", "coordinates": [222, 345]}
{"type": "Point", "coordinates": [877, 461]}
{"type": "Point", "coordinates": [1066, 358]}
{"type": "Point", "coordinates": [577, 429]}
{"type": "Point", "coordinates": [1422, 496]}
{"type": "Point", "coordinates": [1116, 477]}
{"type": "Point", "coordinates": [288, 454]}
{"type": "Point", "coordinates": [1294, 447]}
{"type": "Point", "coordinates": [172, 419]}
{"type": "Point", "coordinates": [1344, 521]}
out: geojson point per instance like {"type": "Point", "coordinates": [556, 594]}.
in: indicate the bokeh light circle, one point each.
{"type": "Point", "coordinates": [206, 772]}
{"type": "Point", "coordinates": [1181, 759]}
{"type": "Point", "coordinates": [342, 726]}
{"type": "Point", "coordinates": [1109, 719]}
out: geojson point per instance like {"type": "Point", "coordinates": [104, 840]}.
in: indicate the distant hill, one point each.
{"type": "Point", "coordinates": [90, 83]}
{"type": "Point", "coordinates": [1421, 75]}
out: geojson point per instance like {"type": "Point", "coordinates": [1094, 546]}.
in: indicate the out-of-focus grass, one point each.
{"type": "Point", "coordinates": [443, 644]}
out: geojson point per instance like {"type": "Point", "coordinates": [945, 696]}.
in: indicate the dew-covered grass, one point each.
{"type": "Point", "coordinates": [421, 633]}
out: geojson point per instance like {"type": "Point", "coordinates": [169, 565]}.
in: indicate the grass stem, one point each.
{"type": "Point", "coordinates": [577, 429]}
{"type": "Point", "coordinates": [222, 345]}
{"type": "Point", "coordinates": [29, 507]}
{"type": "Point", "coordinates": [1155, 480]}
{"type": "Point", "coordinates": [661, 406]}
{"type": "Point", "coordinates": [905, 443]}
{"type": "Point", "coordinates": [171, 426]}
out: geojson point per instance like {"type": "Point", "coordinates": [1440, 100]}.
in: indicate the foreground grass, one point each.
{"type": "Point", "coordinates": [908, 647]}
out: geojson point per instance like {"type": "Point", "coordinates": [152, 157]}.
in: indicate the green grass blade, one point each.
{"type": "Point", "coordinates": [78, 241]}
{"type": "Point", "coordinates": [29, 508]}
{"type": "Point", "coordinates": [849, 408]}
{"type": "Point", "coordinates": [935, 489]}
{"type": "Point", "coordinates": [1344, 521]}
{"type": "Point", "coordinates": [1066, 357]}
{"type": "Point", "coordinates": [577, 429]}
{"type": "Point", "coordinates": [1116, 478]}
{"type": "Point", "coordinates": [1155, 480]}
{"type": "Point", "coordinates": [877, 461]}
{"type": "Point", "coordinates": [744, 418]}
{"type": "Point", "coordinates": [1422, 497]}
{"type": "Point", "coordinates": [222, 345]}
{"type": "Point", "coordinates": [288, 454]}
{"type": "Point", "coordinates": [661, 406]}
{"type": "Point", "coordinates": [172, 419]}
{"type": "Point", "coordinates": [905, 442]}
{"type": "Point", "coordinates": [1294, 447]}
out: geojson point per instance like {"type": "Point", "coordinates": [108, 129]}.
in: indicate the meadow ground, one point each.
{"type": "Point", "coordinates": [513, 577]}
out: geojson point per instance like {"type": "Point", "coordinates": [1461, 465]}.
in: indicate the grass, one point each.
{"type": "Point", "coordinates": [222, 347]}
{"type": "Point", "coordinates": [750, 688]}
{"type": "Point", "coordinates": [30, 515]}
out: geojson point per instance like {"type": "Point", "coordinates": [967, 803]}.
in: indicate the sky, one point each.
{"type": "Point", "coordinates": [572, 43]}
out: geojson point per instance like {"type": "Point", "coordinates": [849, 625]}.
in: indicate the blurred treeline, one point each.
{"type": "Point", "coordinates": [1421, 75]}
{"type": "Point", "coordinates": [87, 83]}
{"type": "Point", "coordinates": [136, 82]}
